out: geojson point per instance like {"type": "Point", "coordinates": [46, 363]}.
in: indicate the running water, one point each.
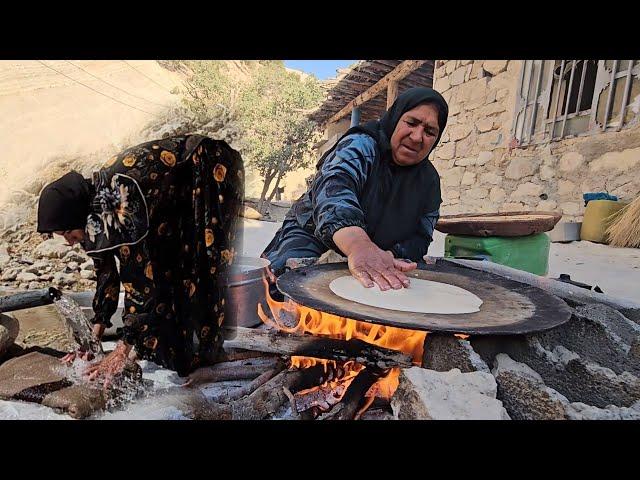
{"type": "Point", "coordinates": [159, 395]}
{"type": "Point", "coordinates": [79, 328]}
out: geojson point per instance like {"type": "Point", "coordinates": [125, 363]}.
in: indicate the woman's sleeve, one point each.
{"type": "Point", "coordinates": [337, 187]}
{"type": "Point", "coordinates": [416, 246]}
{"type": "Point", "coordinates": [105, 301]}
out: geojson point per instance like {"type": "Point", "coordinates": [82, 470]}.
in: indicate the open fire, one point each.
{"type": "Point", "coordinates": [292, 318]}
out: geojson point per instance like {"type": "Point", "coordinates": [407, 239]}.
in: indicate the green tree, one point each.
{"type": "Point", "coordinates": [270, 106]}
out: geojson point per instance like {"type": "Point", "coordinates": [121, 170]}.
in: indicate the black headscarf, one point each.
{"type": "Point", "coordinates": [382, 130]}
{"type": "Point", "coordinates": [64, 204]}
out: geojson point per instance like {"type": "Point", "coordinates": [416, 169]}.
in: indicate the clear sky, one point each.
{"type": "Point", "coordinates": [322, 69]}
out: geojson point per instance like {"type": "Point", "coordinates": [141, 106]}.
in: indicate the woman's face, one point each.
{"type": "Point", "coordinates": [415, 134]}
{"type": "Point", "coordinates": [72, 236]}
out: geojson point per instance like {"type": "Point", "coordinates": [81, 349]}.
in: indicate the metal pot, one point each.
{"type": "Point", "coordinates": [245, 282]}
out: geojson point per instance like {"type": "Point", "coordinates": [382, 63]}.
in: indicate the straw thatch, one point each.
{"type": "Point", "coordinates": [624, 230]}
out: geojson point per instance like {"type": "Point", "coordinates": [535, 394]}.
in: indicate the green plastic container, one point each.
{"type": "Point", "coordinates": [529, 253]}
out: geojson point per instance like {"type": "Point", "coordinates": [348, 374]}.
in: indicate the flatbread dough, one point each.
{"type": "Point", "coordinates": [422, 296]}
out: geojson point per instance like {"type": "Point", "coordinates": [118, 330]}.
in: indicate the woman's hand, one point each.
{"type": "Point", "coordinates": [98, 331]}
{"type": "Point", "coordinates": [81, 354]}
{"type": "Point", "coordinates": [112, 365]}
{"type": "Point", "coordinates": [368, 263]}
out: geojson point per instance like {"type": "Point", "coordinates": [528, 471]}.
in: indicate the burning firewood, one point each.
{"type": "Point", "coordinates": [319, 347]}
{"type": "Point", "coordinates": [354, 402]}
{"type": "Point", "coordinates": [320, 399]}
{"type": "Point", "coordinates": [316, 400]}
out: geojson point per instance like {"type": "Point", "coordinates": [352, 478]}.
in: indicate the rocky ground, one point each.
{"type": "Point", "coordinates": [28, 260]}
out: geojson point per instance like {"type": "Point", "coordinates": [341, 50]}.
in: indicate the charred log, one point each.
{"type": "Point", "coordinates": [354, 398]}
{"type": "Point", "coordinates": [229, 396]}
{"type": "Point", "coordinates": [266, 399]}
{"type": "Point", "coordinates": [236, 370]}
{"type": "Point", "coordinates": [319, 347]}
{"type": "Point", "coordinates": [232, 354]}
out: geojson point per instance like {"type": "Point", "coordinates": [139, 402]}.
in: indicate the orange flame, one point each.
{"type": "Point", "coordinates": [298, 319]}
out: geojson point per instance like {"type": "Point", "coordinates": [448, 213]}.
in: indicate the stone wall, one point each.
{"type": "Point", "coordinates": [481, 173]}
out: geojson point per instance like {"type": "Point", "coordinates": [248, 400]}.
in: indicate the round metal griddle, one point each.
{"type": "Point", "coordinates": [501, 224]}
{"type": "Point", "coordinates": [508, 307]}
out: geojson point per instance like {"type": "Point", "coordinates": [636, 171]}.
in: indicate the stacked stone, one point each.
{"type": "Point", "coordinates": [483, 171]}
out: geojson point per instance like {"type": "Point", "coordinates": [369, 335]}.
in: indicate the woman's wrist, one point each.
{"type": "Point", "coordinates": [123, 347]}
{"type": "Point", "coordinates": [350, 239]}
{"type": "Point", "coordinates": [98, 330]}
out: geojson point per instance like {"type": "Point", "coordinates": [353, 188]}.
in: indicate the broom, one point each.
{"type": "Point", "coordinates": [624, 230]}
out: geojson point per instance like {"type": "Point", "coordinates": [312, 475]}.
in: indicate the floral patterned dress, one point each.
{"type": "Point", "coordinates": [167, 210]}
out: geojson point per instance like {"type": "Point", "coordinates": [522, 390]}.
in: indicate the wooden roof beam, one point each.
{"type": "Point", "coordinates": [397, 74]}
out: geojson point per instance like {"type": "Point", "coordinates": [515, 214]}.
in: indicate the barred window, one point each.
{"type": "Point", "coordinates": [564, 98]}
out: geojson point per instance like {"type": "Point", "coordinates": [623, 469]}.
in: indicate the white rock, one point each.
{"type": "Point", "coordinates": [491, 178]}
{"type": "Point", "coordinates": [566, 187]}
{"type": "Point", "coordinates": [9, 328]}
{"type": "Point", "coordinates": [26, 277]}
{"type": "Point", "coordinates": [10, 274]}
{"type": "Point", "coordinates": [63, 279]}
{"type": "Point", "coordinates": [251, 213]}
{"type": "Point", "coordinates": [446, 151]}
{"type": "Point", "coordinates": [504, 363]}
{"type": "Point", "coordinates": [465, 162]}
{"type": "Point", "coordinates": [547, 205]}
{"type": "Point", "coordinates": [457, 77]}
{"type": "Point", "coordinates": [520, 167]}
{"type": "Point", "coordinates": [73, 256]}
{"type": "Point", "coordinates": [458, 132]}
{"type": "Point", "coordinates": [494, 66]}
{"type": "Point", "coordinates": [570, 161]}
{"type": "Point", "coordinates": [426, 394]}
{"type": "Point", "coordinates": [452, 176]}
{"type": "Point", "coordinates": [5, 258]}
{"type": "Point", "coordinates": [527, 189]}
{"type": "Point", "coordinates": [52, 248]}
{"type": "Point", "coordinates": [570, 208]}
{"type": "Point", "coordinates": [484, 157]}
{"type": "Point", "coordinates": [466, 147]}
{"type": "Point", "coordinates": [73, 266]}
{"type": "Point", "coordinates": [497, 194]}
{"type": "Point", "coordinates": [617, 162]}
{"type": "Point", "coordinates": [547, 173]}
{"type": "Point", "coordinates": [484, 125]}
{"type": "Point", "coordinates": [581, 411]}
{"type": "Point", "coordinates": [88, 266]}
{"type": "Point", "coordinates": [512, 207]}
{"type": "Point", "coordinates": [87, 274]}
{"type": "Point", "coordinates": [478, 193]}
{"type": "Point", "coordinates": [469, 178]}
{"type": "Point", "coordinates": [41, 265]}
